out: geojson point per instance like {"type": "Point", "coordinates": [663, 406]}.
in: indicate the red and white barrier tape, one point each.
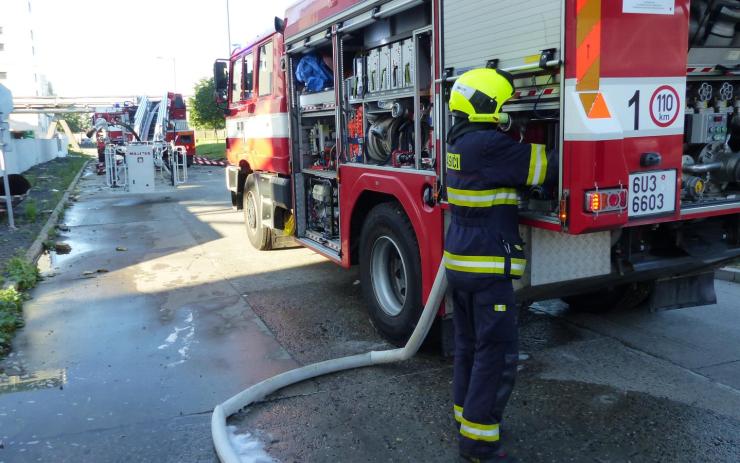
{"type": "Point", "coordinates": [201, 161]}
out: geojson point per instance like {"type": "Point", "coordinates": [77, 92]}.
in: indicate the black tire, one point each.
{"type": "Point", "coordinates": [622, 297]}
{"type": "Point", "coordinates": [189, 161]}
{"type": "Point", "coordinates": [390, 272]}
{"type": "Point", "coordinates": [259, 236]}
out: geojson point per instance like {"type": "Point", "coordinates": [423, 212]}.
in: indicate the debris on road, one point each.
{"type": "Point", "coordinates": [62, 248]}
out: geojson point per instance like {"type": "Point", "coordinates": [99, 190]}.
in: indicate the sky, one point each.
{"type": "Point", "coordinates": [106, 48]}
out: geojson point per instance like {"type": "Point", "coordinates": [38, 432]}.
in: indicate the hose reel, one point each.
{"type": "Point", "coordinates": [388, 134]}
{"type": "Point", "coordinates": [382, 138]}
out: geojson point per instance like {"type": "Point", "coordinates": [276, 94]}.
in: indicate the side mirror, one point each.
{"type": "Point", "coordinates": [221, 80]}
{"type": "Point", "coordinates": [279, 25]}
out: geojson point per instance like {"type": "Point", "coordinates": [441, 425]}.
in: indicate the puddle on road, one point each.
{"type": "Point", "coordinates": [540, 330]}
{"type": "Point", "coordinates": [52, 260]}
{"type": "Point", "coordinates": [182, 339]}
{"type": "Point", "coordinates": [609, 424]}
{"type": "Point", "coordinates": [129, 202]}
{"type": "Point", "coordinates": [42, 379]}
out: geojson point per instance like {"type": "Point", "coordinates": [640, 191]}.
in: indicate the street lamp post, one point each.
{"type": "Point", "coordinates": [228, 25]}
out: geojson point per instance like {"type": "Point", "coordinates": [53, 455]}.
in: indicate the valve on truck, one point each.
{"type": "Point", "coordinates": [711, 161]}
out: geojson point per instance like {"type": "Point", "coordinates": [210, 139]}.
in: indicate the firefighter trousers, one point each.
{"type": "Point", "coordinates": [486, 355]}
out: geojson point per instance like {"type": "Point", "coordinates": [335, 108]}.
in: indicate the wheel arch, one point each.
{"type": "Point", "coordinates": [274, 196]}
{"type": "Point", "coordinates": [407, 190]}
{"type": "Point", "coordinates": [362, 207]}
{"type": "Point", "coordinates": [237, 198]}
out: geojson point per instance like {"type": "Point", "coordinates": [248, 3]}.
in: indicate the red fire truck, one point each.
{"type": "Point", "coordinates": [336, 126]}
{"type": "Point", "coordinates": [179, 133]}
{"type": "Point", "coordinates": [165, 119]}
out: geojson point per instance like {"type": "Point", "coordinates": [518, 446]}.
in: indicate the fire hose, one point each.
{"type": "Point", "coordinates": [224, 449]}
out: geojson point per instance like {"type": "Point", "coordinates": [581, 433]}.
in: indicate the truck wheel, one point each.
{"type": "Point", "coordinates": [258, 235]}
{"type": "Point", "coordinates": [390, 271]}
{"type": "Point", "coordinates": [623, 297]}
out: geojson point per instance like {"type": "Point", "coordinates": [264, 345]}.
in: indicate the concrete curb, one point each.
{"type": "Point", "coordinates": [33, 253]}
{"type": "Point", "coordinates": [728, 274]}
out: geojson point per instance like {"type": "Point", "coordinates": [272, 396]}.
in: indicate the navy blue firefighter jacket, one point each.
{"type": "Point", "coordinates": [484, 169]}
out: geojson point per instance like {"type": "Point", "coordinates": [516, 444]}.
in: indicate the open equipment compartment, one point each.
{"type": "Point", "coordinates": [481, 37]}
{"type": "Point", "coordinates": [382, 75]}
{"type": "Point", "coordinates": [313, 125]}
{"type": "Point", "coordinates": [387, 108]}
{"type": "Point", "coordinates": [711, 165]}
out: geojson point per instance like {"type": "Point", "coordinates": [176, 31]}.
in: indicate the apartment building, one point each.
{"type": "Point", "coordinates": [20, 70]}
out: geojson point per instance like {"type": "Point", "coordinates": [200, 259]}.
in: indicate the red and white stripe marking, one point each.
{"type": "Point", "coordinates": [532, 92]}
{"type": "Point", "coordinates": [201, 161]}
{"type": "Point", "coordinates": [700, 70]}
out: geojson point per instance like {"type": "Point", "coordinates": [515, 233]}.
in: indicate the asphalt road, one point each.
{"type": "Point", "coordinates": [126, 351]}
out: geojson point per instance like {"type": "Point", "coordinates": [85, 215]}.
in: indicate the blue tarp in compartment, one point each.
{"type": "Point", "coordinates": [313, 73]}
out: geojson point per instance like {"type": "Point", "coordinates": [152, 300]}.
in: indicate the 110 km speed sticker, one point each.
{"type": "Point", "coordinates": [664, 106]}
{"type": "Point", "coordinates": [631, 107]}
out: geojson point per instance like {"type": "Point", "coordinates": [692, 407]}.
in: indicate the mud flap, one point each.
{"type": "Point", "coordinates": [681, 292]}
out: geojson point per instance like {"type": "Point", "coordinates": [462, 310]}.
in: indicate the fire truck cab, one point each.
{"type": "Point", "coordinates": [180, 133]}
{"type": "Point", "coordinates": [336, 126]}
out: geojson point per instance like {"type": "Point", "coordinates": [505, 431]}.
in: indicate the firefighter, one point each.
{"type": "Point", "coordinates": [101, 152]}
{"type": "Point", "coordinates": [483, 253]}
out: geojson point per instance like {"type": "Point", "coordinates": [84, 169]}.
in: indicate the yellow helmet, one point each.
{"type": "Point", "coordinates": [480, 93]}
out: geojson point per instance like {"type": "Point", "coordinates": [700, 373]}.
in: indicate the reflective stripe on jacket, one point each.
{"type": "Point", "coordinates": [484, 168]}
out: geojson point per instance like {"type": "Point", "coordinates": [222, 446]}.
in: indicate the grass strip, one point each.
{"type": "Point", "coordinates": [212, 150]}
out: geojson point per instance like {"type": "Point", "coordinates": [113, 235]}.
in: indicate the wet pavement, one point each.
{"type": "Point", "coordinates": [126, 351]}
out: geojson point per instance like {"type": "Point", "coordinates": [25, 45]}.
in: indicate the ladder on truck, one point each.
{"type": "Point", "coordinates": [141, 115]}
{"type": "Point", "coordinates": [160, 127]}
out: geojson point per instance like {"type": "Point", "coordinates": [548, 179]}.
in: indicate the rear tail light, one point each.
{"type": "Point", "coordinates": [610, 200]}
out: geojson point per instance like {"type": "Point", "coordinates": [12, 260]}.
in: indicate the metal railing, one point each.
{"type": "Point", "coordinates": [116, 175]}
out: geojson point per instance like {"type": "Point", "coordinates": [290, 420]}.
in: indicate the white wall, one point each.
{"type": "Point", "coordinates": [27, 153]}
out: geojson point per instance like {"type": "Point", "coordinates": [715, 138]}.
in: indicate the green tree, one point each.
{"type": "Point", "coordinates": [204, 112]}
{"type": "Point", "coordinates": [78, 122]}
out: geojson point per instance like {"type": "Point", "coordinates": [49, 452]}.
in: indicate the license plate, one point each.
{"type": "Point", "coordinates": [652, 193]}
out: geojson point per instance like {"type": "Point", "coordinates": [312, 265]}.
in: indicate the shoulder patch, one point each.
{"type": "Point", "coordinates": [453, 161]}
